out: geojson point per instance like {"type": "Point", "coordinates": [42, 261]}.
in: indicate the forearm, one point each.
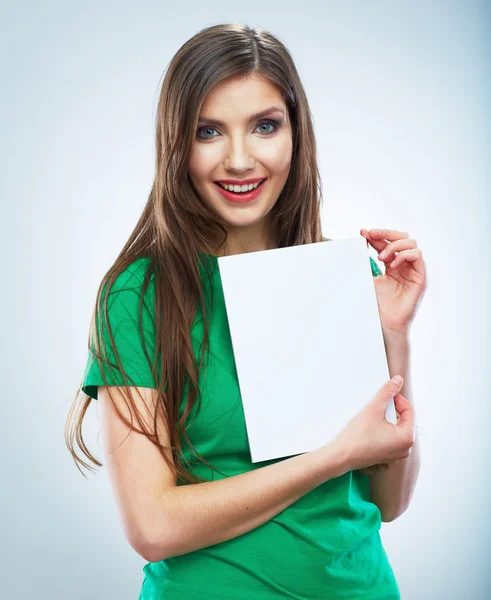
{"type": "Point", "coordinates": [198, 515]}
{"type": "Point", "coordinates": [391, 489]}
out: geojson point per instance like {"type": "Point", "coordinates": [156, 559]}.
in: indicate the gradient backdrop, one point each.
{"type": "Point", "coordinates": [400, 93]}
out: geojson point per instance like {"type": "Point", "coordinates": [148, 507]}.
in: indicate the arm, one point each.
{"type": "Point", "coordinates": [204, 514]}
{"type": "Point", "coordinates": [161, 519]}
{"type": "Point", "coordinates": [392, 489]}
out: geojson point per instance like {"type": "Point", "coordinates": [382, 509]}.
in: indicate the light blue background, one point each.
{"type": "Point", "coordinates": [400, 94]}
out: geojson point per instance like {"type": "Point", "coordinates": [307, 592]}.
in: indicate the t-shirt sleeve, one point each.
{"type": "Point", "coordinates": [123, 303]}
{"type": "Point", "coordinates": [375, 268]}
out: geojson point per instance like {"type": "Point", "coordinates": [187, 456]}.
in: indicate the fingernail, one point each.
{"type": "Point", "coordinates": [397, 379]}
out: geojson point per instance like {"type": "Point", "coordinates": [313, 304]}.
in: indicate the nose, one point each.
{"type": "Point", "coordinates": [237, 155]}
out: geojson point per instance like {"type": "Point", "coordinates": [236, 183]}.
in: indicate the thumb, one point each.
{"type": "Point", "coordinates": [389, 390]}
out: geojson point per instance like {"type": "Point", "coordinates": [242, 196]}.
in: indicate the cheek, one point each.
{"type": "Point", "coordinates": [277, 157]}
{"type": "Point", "coordinates": [200, 163]}
{"type": "Point", "coordinates": [284, 162]}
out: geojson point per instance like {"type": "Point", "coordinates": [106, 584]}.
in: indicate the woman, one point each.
{"type": "Point", "coordinates": [211, 524]}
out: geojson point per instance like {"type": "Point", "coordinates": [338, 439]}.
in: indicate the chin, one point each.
{"type": "Point", "coordinates": [242, 216]}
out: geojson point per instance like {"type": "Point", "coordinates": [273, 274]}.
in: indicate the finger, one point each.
{"type": "Point", "coordinates": [405, 410]}
{"type": "Point", "coordinates": [388, 391]}
{"type": "Point", "coordinates": [364, 233]}
{"type": "Point", "coordinates": [377, 244]}
{"type": "Point", "coordinates": [411, 256]}
{"type": "Point", "coordinates": [388, 254]}
{"type": "Point", "coordinates": [388, 234]}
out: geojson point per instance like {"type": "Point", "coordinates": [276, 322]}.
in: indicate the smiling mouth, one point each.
{"type": "Point", "coordinates": [249, 187]}
{"type": "Point", "coordinates": [241, 197]}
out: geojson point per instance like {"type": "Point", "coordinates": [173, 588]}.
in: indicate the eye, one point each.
{"type": "Point", "coordinates": [203, 130]}
{"type": "Point", "coordinates": [270, 122]}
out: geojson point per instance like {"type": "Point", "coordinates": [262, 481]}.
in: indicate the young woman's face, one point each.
{"type": "Point", "coordinates": [242, 147]}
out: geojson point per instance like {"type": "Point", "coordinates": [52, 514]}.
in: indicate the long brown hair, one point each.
{"type": "Point", "coordinates": [176, 226]}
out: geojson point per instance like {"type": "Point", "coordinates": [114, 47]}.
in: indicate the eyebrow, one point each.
{"type": "Point", "coordinates": [251, 118]}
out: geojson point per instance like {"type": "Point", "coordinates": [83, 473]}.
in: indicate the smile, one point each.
{"type": "Point", "coordinates": [240, 188]}
{"type": "Point", "coordinates": [251, 191]}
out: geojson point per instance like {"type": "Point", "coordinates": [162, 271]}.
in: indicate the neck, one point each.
{"type": "Point", "coordinates": [240, 241]}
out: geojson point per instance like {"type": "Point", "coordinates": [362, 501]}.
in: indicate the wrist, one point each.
{"type": "Point", "coordinates": [396, 336]}
{"type": "Point", "coordinates": [337, 458]}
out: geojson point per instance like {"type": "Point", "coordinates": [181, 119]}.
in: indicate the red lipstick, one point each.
{"type": "Point", "coordinates": [239, 181]}
{"type": "Point", "coordinates": [241, 196]}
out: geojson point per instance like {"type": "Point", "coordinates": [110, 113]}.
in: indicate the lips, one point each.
{"type": "Point", "coordinates": [241, 196]}
{"type": "Point", "coordinates": [240, 182]}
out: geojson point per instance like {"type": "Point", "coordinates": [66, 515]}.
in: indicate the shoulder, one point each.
{"type": "Point", "coordinates": [129, 282]}
{"type": "Point", "coordinates": [132, 276]}
{"type": "Point", "coordinates": [126, 289]}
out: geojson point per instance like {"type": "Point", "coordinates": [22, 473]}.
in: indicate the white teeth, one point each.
{"type": "Point", "coordinates": [240, 188]}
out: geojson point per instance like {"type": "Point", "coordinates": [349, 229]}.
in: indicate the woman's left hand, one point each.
{"type": "Point", "coordinates": [400, 291]}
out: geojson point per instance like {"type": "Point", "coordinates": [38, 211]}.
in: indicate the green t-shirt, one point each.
{"type": "Point", "coordinates": [326, 545]}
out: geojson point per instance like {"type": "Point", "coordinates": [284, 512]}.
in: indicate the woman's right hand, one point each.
{"type": "Point", "coordinates": [369, 439]}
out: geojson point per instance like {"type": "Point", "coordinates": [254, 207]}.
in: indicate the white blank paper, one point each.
{"type": "Point", "coordinates": [307, 341]}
